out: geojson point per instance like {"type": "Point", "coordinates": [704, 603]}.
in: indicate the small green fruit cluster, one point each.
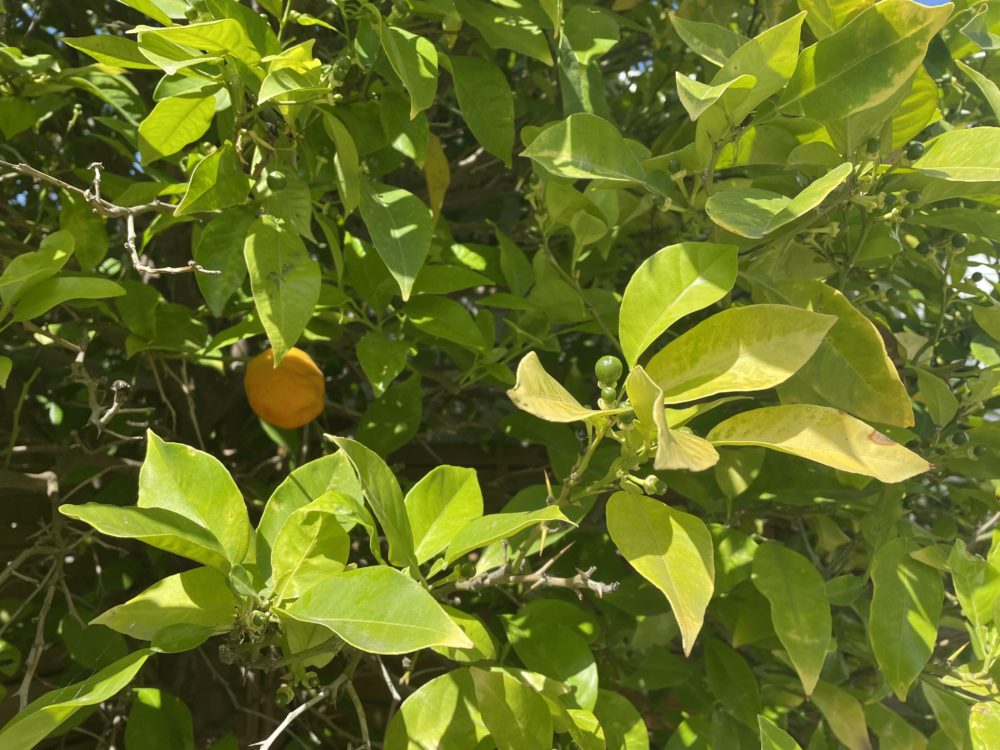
{"type": "Point", "coordinates": [608, 370]}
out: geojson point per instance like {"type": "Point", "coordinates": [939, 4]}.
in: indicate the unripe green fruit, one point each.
{"type": "Point", "coordinates": [276, 180]}
{"type": "Point", "coordinates": [259, 619]}
{"type": "Point", "coordinates": [873, 146]}
{"type": "Point", "coordinates": [609, 394]}
{"type": "Point", "coordinates": [924, 248]}
{"type": "Point", "coordinates": [467, 570]}
{"type": "Point", "coordinates": [976, 277]}
{"type": "Point", "coordinates": [283, 695]}
{"type": "Point", "coordinates": [190, 13]}
{"type": "Point", "coordinates": [889, 200]}
{"type": "Point", "coordinates": [608, 369]}
{"type": "Point", "coordinates": [915, 150]}
{"type": "Point", "coordinates": [906, 213]}
{"type": "Point", "coordinates": [914, 196]}
{"type": "Point", "coordinates": [960, 438]}
{"type": "Point", "coordinates": [959, 240]}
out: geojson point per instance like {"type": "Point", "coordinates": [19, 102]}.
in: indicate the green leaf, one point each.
{"type": "Point", "coordinates": [800, 609]}
{"type": "Point", "coordinates": [821, 434]}
{"type": "Point", "coordinates": [988, 319]}
{"type": "Point", "coordinates": [6, 365]}
{"type": "Point", "coordinates": [381, 359]}
{"type": "Point", "coordinates": [937, 396]}
{"type": "Point", "coordinates": [415, 61]}
{"type": "Point", "coordinates": [675, 450]}
{"type": "Point", "coordinates": [984, 725]}
{"type": "Point", "coordinates": [585, 146]}
{"type": "Point", "coordinates": [864, 63]}
{"type": "Point", "coordinates": [487, 103]}
{"type": "Point", "coordinates": [173, 124]}
{"type": "Point", "coordinates": [769, 58]}
{"type": "Point", "coordinates": [591, 32]}
{"type": "Point", "coordinates": [111, 50]}
{"type": "Point", "coordinates": [440, 505]}
{"type": "Point", "coordinates": [976, 582]}
{"type": "Point", "coordinates": [982, 28]}
{"type": "Point", "coordinates": [755, 213]}
{"type": "Point", "coordinates": [217, 182]}
{"type": "Point", "coordinates": [163, 529]}
{"type": "Point", "coordinates": [193, 484]}
{"type": "Point", "coordinates": [906, 605]}
{"type": "Point", "coordinates": [197, 598]}
{"type": "Point", "coordinates": [826, 16]}
{"type": "Point", "coordinates": [345, 161]}
{"type": "Point", "coordinates": [158, 720]}
{"type": "Point", "coordinates": [379, 610]}
{"type": "Point", "coordinates": [288, 85]}
{"type": "Point", "coordinates": [441, 714]}
{"type": "Point", "coordinates": [516, 716]}
{"type": "Point", "coordinates": [892, 730]}
{"type": "Point", "coordinates": [446, 319]}
{"type": "Point", "coordinates": [773, 737]}
{"type": "Point", "coordinates": [484, 648]}
{"type": "Point", "coordinates": [538, 393]}
{"type": "Point", "coordinates": [45, 295]}
{"type": "Point", "coordinates": [285, 282]}
{"type": "Point", "coordinates": [963, 155]}
{"type": "Point", "coordinates": [220, 248]}
{"type": "Point", "coordinates": [43, 716]}
{"type": "Point", "coordinates": [741, 349]}
{"type": "Point", "coordinates": [851, 369]}
{"type": "Point", "coordinates": [732, 681]}
{"type": "Point", "coordinates": [556, 651]}
{"type": "Point", "coordinates": [674, 282]}
{"type": "Point", "coordinates": [401, 228]}
{"type": "Point", "coordinates": [624, 727]}
{"type": "Point", "coordinates": [383, 494]}
{"type": "Point", "coordinates": [989, 89]}
{"type": "Point", "coordinates": [711, 41]}
{"type": "Point", "coordinates": [29, 268]}
{"type": "Point", "coordinates": [390, 421]}
{"type": "Point", "coordinates": [509, 26]}
{"type": "Point", "coordinates": [697, 97]}
{"type": "Point", "coordinates": [310, 545]}
{"type": "Point", "coordinates": [670, 549]}
{"type": "Point", "coordinates": [308, 482]}
{"type": "Point", "coordinates": [843, 714]}
{"type": "Point", "coordinates": [484, 531]}
{"type": "Point", "coordinates": [225, 37]}
{"type": "Point", "coordinates": [87, 229]}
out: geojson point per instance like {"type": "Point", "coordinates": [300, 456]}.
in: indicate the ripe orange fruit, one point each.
{"type": "Point", "coordinates": [289, 395]}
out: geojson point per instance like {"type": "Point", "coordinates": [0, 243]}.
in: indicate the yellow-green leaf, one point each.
{"type": "Point", "coordinates": [538, 393]}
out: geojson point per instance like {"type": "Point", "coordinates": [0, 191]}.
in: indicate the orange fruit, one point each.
{"type": "Point", "coordinates": [289, 395]}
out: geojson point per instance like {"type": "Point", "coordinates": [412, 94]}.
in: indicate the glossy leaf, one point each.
{"type": "Point", "coordinates": [585, 146]}
{"type": "Point", "coordinates": [158, 720]}
{"type": "Point", "coordinates": [624, 727]}
{"type": "Point", "coordinates": [43, 716]}
{"type": "Point", "coordinates": [401, 227]}
{"type": "Point", "coordinates": [865, 62]}
{"type": "Point", "coordinates": [442, 713]}
{"type": "Point", "coordinates": [674, 282]}
{"type": "Point", "coordinates": [487, 103]}
{"type": "Point", "coordinates": [217, 182]}
{"type": "Point", "coordinates": [669, 548]}
{"type": "Point", "coordinates": [39, 298]}
{"type": "Point", "coordinates": [741, 349]}
{"type": "Point", "coordinates": [379, 610]}
{"type": "Point", "coordinates": [824, 435]}
{"type": "Point", "coordinates": [773, 737]}
{"type": "Point", "coordinates": [905, 608]}
{"type": "Point", "coordinates": [415, 61]}
{"type": "Point", "coordinates": [538, 393]}
{"type": "Point", "coordinates": [285, 282]}
{"type": "Point", "coordinates": [517, 717]}
{"type": "Point", "coordinates": [193, 484]}
{"type": "Point", "coordinates": [197, 598]}
{"type": "Point", "coordinates": [800, 609]}
{"type": "Point", "coordinates": [843, 714]}
{"type": "Point", "coordinates": [713, 42]}
{"type": "Point", "coordinates": [173, 124]}
{"type": "Point", "coordinates": [482, 532]}
{"type": "Point", "coordinates": [440, 505]}
{"type": "Point", "coordinates": [310, 545]}
{"type": "Point", "coordinates": [967, 155]}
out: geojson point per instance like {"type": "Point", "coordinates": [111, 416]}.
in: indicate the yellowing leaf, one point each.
{"type": "Point", "coordinates": [821, 434]}
{"type": "Point", "coordinates": [437, 174]}
{"type": "Point", "coordinates": [538, 393]}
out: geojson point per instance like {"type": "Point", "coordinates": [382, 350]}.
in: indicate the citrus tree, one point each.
{"type": "Point", "coordinates": [515, 374]}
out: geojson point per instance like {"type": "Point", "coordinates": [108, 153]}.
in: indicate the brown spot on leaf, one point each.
{"type": "Point", "coordinates": [879, 439]}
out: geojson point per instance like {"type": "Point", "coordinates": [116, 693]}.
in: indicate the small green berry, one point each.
{"type": "Point", "coordinates": [906, 213]}
{"type": "Point", "coordinates": [976, 277]}
{"type": "Point", "coordinates": [608, 369]}
{"type": "Point", "coordinates": [914, 196]}
{"type": "Point", "coordinates": [310, 680]}
{"type": "Point", "coordinates": [283, 695]}
{"type": "Point", "coordinates": [276, 180]}
{"type": "Point", "coordinates": [467, 570]}
{"type": "Point", "coordinates": [889, 200]}
{"type": "Point", "coordinates": [873, 146]}
{"type": "Point", "coordinates": [674, 165]}
{"type": "Point", "coordinates": [960, 438]}
{"type": "Point", "coordinates": [924, 248]}
{"type": "Point", "coordinates": [959, 239]}
{"type": "Point", "coordinates": [915, 150]}
{"type": "Point", "coordinates": [259, 619]}
{"type": "Point", "coordinates": [609, 394]}
{"type": "Point", "coordinates": [191, 13]}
